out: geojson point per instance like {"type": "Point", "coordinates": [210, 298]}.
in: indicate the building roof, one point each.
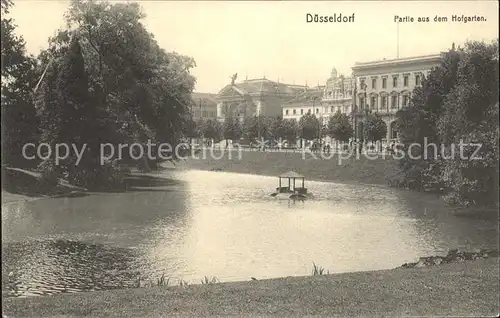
{"type": "Point", "coordinates": [206, 98]}
{"type": "Point", "coordinates": [307, 96]}
{"type": "Point", "coordinates": [263, 85]}
{"type": "Point", "coordinates": [291, 174]}
{"type": "Point", "coordinates": [413, 59]}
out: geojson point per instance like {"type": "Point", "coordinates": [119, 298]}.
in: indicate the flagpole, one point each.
{"type": "Point", "coordinates": [397, 41]}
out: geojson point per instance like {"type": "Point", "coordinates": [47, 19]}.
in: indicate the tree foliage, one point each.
{"type": "Point", "coordinates": [375, 128]}
{"type": "Point", "coordinates": [339, 127]}
{"type": "Point", "coordinates": [257, 126]}
{"type": "Point", "coordinates": [309, 127]}
{"type": "Point", "coordinates": [232, 128]}
{"type": "Point", "coordinates": [286, 129]}
{"type": "Point", "coordinates": [141, 91]}
{"type": "Point", "coordinates": [19, 121]}
{"type": "Point", "coordinates": [458, 102]}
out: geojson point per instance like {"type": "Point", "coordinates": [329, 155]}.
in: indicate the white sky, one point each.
{"type": "Point", "coordinates": [273, 39]}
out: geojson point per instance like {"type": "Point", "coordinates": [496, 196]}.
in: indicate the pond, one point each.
{"type": "Point", "coordinates": [194, 224]}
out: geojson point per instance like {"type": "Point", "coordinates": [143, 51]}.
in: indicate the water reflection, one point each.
{"type": "Point", "coordinates": [220, 224]}
{"type": "Point", "coordinates": [41, 268]}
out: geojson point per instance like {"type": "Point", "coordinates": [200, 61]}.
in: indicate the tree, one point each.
{"type": "Point", "coordinates": [339, 127]}
{"type": "Point", "coordinates": [232, 128]}
{"type": "Point", "coordinates": [141, 91]}
{"type": "Point", "coordinates": [375, 128]}
{"type": "Point", "coordinates": [458, 103]}
{"type": "Point", "coordinates": [19, 121]}
{"type": "Point", "coordinates": [286, 129]}
{"type": "Point", "coordinates": [68, 117]}
{"type": "Point", "coordinates": [192, 129]}
{"type": "Point", "coordinates": [470, 116]}
{"type": "Point", "coordinates": [257, 126]}
{"type": "Point", "coordinates": [309, 127]}
{"type": "Point", "coordinates": [211, 129]}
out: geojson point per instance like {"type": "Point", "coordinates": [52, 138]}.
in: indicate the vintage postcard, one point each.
{"type": "Point", "coordinates": [249, 158]}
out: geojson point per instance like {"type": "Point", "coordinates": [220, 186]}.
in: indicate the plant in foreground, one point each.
{"type": "Point", "coordinates": [318, 270]}
{"type": "Point", "coordinates": [162, 281]}
{"type": "Point", "coordinates": [207, 281]}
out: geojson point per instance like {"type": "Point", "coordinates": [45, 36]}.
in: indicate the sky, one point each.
{"type": "Point", "coordinates": [272, 39]}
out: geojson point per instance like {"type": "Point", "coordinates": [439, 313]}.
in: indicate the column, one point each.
{"type": "Point", "coordinates": [220, 106]}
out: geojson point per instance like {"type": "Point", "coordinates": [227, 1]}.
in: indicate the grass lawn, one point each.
{"type": "Point", "coordinates": [362, 169]}
{"type": "Point", "coordinates": [470, 288]}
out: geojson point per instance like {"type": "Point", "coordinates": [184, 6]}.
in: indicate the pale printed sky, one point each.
{"type": "Point", "coordinates": [273, 39]}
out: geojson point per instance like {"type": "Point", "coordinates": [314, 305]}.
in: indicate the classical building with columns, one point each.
{"type": "Point", "coordinates": [386, 86]}
{"type": "Point", "coordinates": [254, 97]}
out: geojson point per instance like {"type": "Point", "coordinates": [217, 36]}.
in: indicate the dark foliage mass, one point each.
{"type": "Point", "coordinates": [103, 79]}
{"type": "Point", "coordinates": [457, 104]}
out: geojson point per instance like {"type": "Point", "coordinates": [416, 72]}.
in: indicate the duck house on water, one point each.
{"type": "Point", "coordinates": [291, 186]}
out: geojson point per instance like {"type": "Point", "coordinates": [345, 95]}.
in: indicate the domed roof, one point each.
{"type": "Point", "coordinates": [333, 74]}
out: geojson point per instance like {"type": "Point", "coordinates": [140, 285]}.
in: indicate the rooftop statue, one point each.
{"type": "Point", "coordinates": [233, 78]}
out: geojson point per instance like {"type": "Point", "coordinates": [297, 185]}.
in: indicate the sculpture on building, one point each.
{"type": "Point", "coordinates": [233, 78]}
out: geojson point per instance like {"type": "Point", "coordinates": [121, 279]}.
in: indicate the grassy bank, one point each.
{"type": "Point", "coordinates": [24, 185]}
{"type": "Point", "coordinates": [361, 170]}
{"type": "Point", "coordinates": [461, 289]}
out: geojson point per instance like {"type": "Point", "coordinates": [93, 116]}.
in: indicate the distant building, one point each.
{"type": "Point", "coordinates": [254, 97]}
{"type": "Point", "coordinates": [323, 101]}
{"type": "Point", "coordinates": [386, 86]}
{"type": "Point", "coordinates": [338, 94]}
{"type": "Point", "coordinates": [308, 101]}
{"type": "Point", "coordinates": [204, 106]}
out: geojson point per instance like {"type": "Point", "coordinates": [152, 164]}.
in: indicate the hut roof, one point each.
{"type": "Point", "coordinates": [291, 174]}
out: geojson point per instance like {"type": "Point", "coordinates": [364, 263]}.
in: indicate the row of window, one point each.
{"type": "Point", "coordinates": [406, 80]}
{"type": "Point", "coordinates": [383, 102]}
{"type": "Point", "coordinates": [294, 112]}
{"type": "Point", "coordinates": [332, 110]}
{"type": "Point", "coordinates": [207, 114]}
{"type": "Point", "coordinates": [347, 93]}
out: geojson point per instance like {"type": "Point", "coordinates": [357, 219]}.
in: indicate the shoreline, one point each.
{"type": "Point", "coordinates": [465, 288]}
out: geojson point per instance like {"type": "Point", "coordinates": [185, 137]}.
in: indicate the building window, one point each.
{"type": "Point", "coordinates": [374, 83]}
{"type": "Point", "coordinates": [405, 80]}
{"type": "Point", "coordinates": [294, 112]}
{"type": "Point", "coordinates": [373, 102]}
{"type": "Point", "coordinates": [417, 80]}
{"type": "Point", "coordinates": [384, 101]}
{"type": "Point", "coordinates": [362, 83]}
{"type": "Point", "coordinates": [302, 112]}
{"type": "Point", "coordinates": [384, 82]}
{"type": "Point", "coordinates": [286, 112]}
{"type": "Point", "coordinates": [331, 109]}
{"type": "Point", "coordinates": [317, 110]}
{"type": "Point", "coordinates": [405, 100]}
{"type": "Point", "coordinates": [361, 103]}
{"type": "Point", "coordinates": [395, 81]}
{"type": "Point", "coordinates": [394, 101]}
{"type": "Point", "coordinates": [308, 111]}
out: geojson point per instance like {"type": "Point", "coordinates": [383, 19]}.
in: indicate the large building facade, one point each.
{"type": "Point", "coordinates": [338, 94]}
{"type": "Point", "coordinates": [323, 101]}
{"type": "Point", "coordinates": [253, 98]}
{"type": "Point", "coordinates": [386, 86]}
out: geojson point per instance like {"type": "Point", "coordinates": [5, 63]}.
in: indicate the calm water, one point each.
{"type": "Point", "coordinates": [225, 225]}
